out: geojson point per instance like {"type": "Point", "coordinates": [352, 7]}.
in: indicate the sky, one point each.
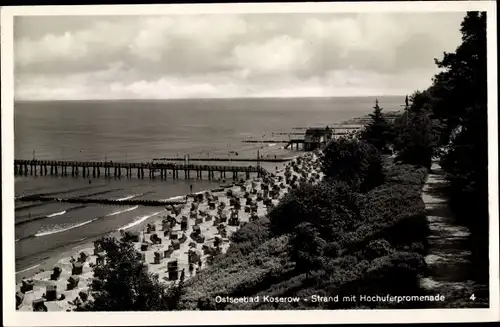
{"type": "Point", "coordinates": [228, 56]}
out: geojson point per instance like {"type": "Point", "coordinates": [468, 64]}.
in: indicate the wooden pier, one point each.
{"type": "Point", "coordinates": [225, 159]}
{"type": "Point", "coordinates": [118, 169]}
{"type": "Point", "coordinates": [296, 142]}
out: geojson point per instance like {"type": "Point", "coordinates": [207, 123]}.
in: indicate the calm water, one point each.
{"type": "Point", "coordinates": [137, 131]}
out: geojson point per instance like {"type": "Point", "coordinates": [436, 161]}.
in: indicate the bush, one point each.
{"type": "Point", "coordinates": [240, 275]}
{"type": "Point", "coordinates": [405, 174]}
{"type": "Point", "coordinates": [378, 248]}
{"type": "Point", "coordinates": [250, 236]}
{"type": "Point", "coordinates": [330, 206]}
{"type": "Point", "coordinates": [354, 162]}
{"type": "Point", "coordinates": [307, 247]}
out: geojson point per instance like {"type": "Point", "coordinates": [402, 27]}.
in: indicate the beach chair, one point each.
{"type": "Point", "coordinates": [173, 270]}
{"type": "Point", "coordinates": [217, 241]}
{"type": "Point", "coordinates": [183, 238]}
{"type": "Point", "coordinates": [157, 258]}
{"type": "Point", "coordinates": [72, 282]}
{"type": "Point", "coordinates": [176, 244]}
{"type": "Point", "coordinates": [168, 253]}
{"type": "Point", "coordinates": [56, 273]}
{"type": "Point", "coordinates": [199, 238]}
{"type": "Point", "coordinates": [155, 239]}
{"type": "Point", "coordinates": [19, 299]}
{"type": "Point", "coordinates": [165, 225]}
{"type": "Point", "coordinates": [184, 224]}
{"type": "Point", "coordinates": [39, 305]}
{"type": "Point", "coordinates": [83, 257]}
{"type": "Point", "coordinates": [198, 221]}
{"type": "Point", "coordinates": [83, 295]}
{"type": "Point", "coordinates": [51, 292]}
{"type": "Point", "coordinates": [194, 206]}
{"type": "Point", "coordinates": [101, 259]}
{"type": "Point", "coordinates": [193, 256]}
{"type": "Point", "coordinates": [144, 246]}
{"type": "Point", "coordinates": [196, 230]}
{"type": "Point", "coordinates": [77, 268]}
{"type": "Point", "coordinates": [206, 249]}
{"type": "Point", "coordinates": [174, 235]}
{"type": "Point", "coordinates": [97, 248]}
{"type": "Point", "coordinates": [27, 285]}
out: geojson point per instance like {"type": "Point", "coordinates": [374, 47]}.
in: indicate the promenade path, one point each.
{"type": "Point", "coordinates": [449, 255]}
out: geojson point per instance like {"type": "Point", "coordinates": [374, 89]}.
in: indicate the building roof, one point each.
{"type": "Point", "coordinates": [318, 131]}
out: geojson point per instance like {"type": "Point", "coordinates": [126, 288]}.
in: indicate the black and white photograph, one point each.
{"type": "Point", "coordinates": [204, 159]}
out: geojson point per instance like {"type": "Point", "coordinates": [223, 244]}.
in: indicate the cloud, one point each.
{"type": "Point", "coordinates": [229, 55]}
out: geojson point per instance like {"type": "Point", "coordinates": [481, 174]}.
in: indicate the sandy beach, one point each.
{"type": "Point", "coordinates": [170, 235]}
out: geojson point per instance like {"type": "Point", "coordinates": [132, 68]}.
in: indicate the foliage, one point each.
{"type": "Point", "coordinates": [378, 132]}
{"type": "Point", "coordinates": [329, 206]}
{"type": "Point", "coordinates": [240, 275]}
{"type": "Point", "coordinates": [124, 284]}
{"type": "Point", "coordinates": [459, 100]}
{"type": "Point", "coordinates": [307, 247]}
{"type": "Point", "coordinates": [324, 240]}
{"type": "Point", "coordinates": [405, 174]}
{"type": "Point", "coordinates": [417, 138]}
{"type": "Point", "coordinates": [250, 236]}
{"type": "Point", "coordinates": [354, 162]}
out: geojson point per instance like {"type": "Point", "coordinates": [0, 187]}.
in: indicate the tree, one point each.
{"type": "Point", "coordinates": [459, 100]}
{"type": "Point", "coordinates": [417, 136]}
{"type": "Point", "coordinates": [354, 162]}
{"type": "Point", "coordinates": [379, 131]}
{"type": "Point", "coordinates": [124, 284]}
{"type": "Point", "coordinates": [307, 247]}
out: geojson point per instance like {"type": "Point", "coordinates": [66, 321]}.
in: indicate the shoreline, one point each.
{"type": "Point", "coordinates": [53, 258]}
{"type": "Point", "coordinates": [43, 269]}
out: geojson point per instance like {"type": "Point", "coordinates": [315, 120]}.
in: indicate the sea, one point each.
{"type": "Point", "coordinates": [140, 131]}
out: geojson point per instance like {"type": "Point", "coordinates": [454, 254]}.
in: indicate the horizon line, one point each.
{"type": "Point", "coordinates": [212, 98]}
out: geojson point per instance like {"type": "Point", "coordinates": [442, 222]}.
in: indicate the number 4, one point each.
{"type": "Point", "coordinates": [472, 297]}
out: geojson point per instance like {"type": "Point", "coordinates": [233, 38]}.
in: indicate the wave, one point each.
{"type": "Point", "coordinates": [129, 197]}
{"type": "Point", "coordinates": [121, 211]}
{"type": "Point", "coordinates": [60, 230]}
{"type": "Point", "coordinates": [271, 144]}
{"type": "Point", "coordinates": [30, 268]}
{"type": "Point", "coordinates": [138, 221]}
{"type": "Point", "coordinates": [56, 214]}
{"type": "Point", "coordinates": [175, 198]}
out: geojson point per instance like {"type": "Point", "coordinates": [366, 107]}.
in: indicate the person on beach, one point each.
{"type": "Point", "coordinates": [191, 268]}
{"type": "Point", "coordinates": [191, 188]}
